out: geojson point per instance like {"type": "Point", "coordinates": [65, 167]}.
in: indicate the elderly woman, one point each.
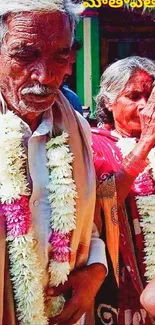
{"type": "Point", "coordinates": [124, 157]}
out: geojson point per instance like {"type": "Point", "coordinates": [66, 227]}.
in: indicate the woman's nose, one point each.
{"type": "Point", "coordinates": [141, 103]}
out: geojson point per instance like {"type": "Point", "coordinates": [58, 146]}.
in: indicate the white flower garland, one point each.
{"type": "Point", "coordinates": [26, 275]}
{"type": "Point", "coordinates": [62, 195]}
{"type": "Point", "coordinates": [25, 268]}
{"type": "Point", "coordinates": [12, 157]}
{"type": "Point", "coordinates": [146, 208]}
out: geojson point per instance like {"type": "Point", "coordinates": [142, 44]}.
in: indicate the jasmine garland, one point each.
{"type": "Point", "coordinates": [25, 268]}
{"type": "Point", "coordinates": [145, 203]}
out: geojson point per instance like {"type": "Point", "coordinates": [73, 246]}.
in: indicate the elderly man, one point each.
{"type": "Point", "coordinates": [47, 183]}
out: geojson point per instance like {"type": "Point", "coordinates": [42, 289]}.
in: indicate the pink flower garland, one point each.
{"type": "Point", "coordinates": [60, 246]}
{"type": "Point", "coordinates": [143, 184]}
{"type": "Point", "coordinates": [18, 217]}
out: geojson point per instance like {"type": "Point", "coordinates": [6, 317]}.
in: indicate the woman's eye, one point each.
{"type": "Point", "coordinates": [134, 96]}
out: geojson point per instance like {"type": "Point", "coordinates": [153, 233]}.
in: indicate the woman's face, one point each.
{"type": "Point", "coordinates": [129, 103]}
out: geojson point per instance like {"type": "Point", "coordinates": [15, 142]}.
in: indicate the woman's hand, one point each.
{"type": "Point", "coordinates": [147, 298]}
{"type": "Point", "coordinates": [147, 120]}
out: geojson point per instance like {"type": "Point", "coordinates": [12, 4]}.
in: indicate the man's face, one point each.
{"type": "Point", "coordinates": [129, 103]}
{"type": "Point", "coordinates": [33, 60]}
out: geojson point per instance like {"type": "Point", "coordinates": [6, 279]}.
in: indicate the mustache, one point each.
{"type": "Point", "coordinates": [41, 90]}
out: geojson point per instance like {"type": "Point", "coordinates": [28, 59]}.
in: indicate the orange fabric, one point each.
{"type": "Point", "coordinates": [106, 161]}
{"type": "Point", "coordinates": [112, 229]}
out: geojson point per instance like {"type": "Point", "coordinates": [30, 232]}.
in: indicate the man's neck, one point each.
{"type": "Point", "coordinates": [32, 119]}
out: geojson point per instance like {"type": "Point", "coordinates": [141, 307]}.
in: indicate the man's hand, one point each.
{"type": "Point", "coordinates": [83, 285]}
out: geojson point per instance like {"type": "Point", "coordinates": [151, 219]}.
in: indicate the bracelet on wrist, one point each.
{"type": "Point", "coordinates": [134, 165]}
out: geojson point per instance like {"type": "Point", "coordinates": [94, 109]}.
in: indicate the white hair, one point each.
{"type": "Point", "coordinates": [114, 80]}
{"type": "Point", "coordinates": [14, 6]}
{"type": "Point", "coordinates": [7, 6]}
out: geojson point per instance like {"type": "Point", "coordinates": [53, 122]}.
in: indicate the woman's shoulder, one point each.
{"type": "Point", "coordinates": [102, 137]}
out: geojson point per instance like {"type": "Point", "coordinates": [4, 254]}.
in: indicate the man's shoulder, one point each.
{"type": "Point", "coordinates": [85, 125]}
{"type": "Point", "coordinates": [83, 121]}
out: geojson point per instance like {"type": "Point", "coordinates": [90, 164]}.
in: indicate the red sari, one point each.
{"type": "Point", "coordinates": [107, 161]}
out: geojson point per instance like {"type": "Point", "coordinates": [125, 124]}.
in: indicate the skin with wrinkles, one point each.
{"type": "Point", "coordinates": [34, 53]}
{"type": "Point", "coordinates": [134, 111]}
{"type": "Point", "coordinates": [130, 102]}
{"type": "Point", "coordinates": [72, 59]}
{"type": "Point", "coordinates": [133, 116]}
{"type": "Point", "coordinates": [33, 61]}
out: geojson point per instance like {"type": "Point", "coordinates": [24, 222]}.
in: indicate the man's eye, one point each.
{"type": "Point", "coordinates": [62, 59]}
{"type": "Point", "coordinates": [22, 57]}
{"type": "Point", "coordinates": [25, 57]}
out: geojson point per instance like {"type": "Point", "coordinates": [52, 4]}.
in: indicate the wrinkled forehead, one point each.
{"type": "Point", "coordinates": [40, 26]}
{"type": "Point", "coordinates": [140, 80]}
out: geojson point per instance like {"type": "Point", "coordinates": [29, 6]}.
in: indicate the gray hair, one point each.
{"type": "Point", "coordinates": [14, 6]}
{"type": "Point", "coordinates": [114, 80]}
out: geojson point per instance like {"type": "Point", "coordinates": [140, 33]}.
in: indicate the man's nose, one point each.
{"type": "Point", "coordinates": [42, 73]}
{"type": "Point", "coordinates": [69, 69]}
